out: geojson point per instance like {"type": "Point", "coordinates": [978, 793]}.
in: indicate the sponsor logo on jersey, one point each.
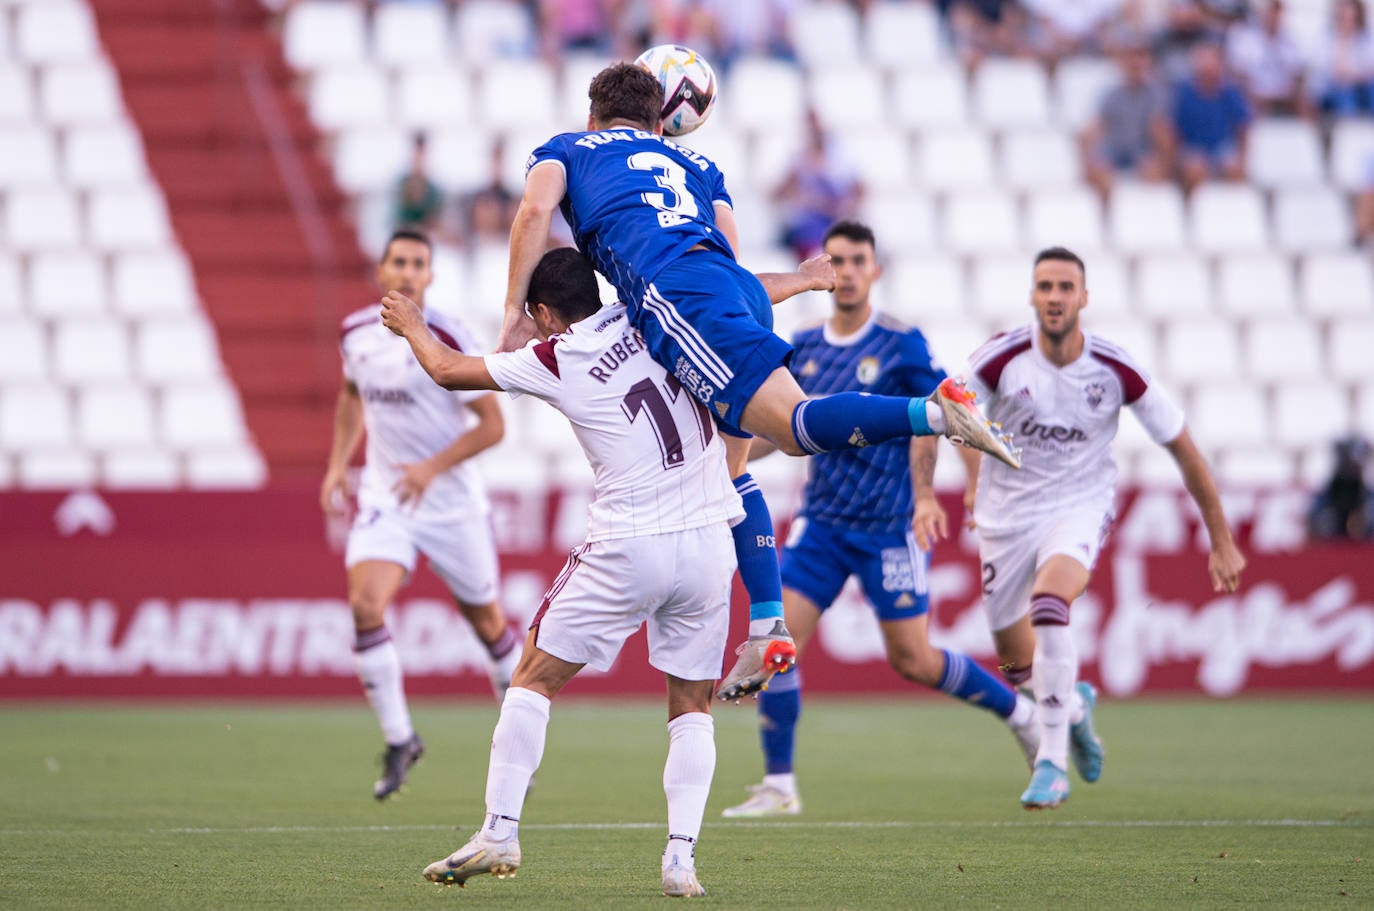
{"type": "Point", "coordinates": [388, 396]}
{"type": "Point", "coordinates": [1034, 430]}
{"type": "Point", "coordinates": [1094, 392]}
{"type": "Point", "coordinates": [867, 371]}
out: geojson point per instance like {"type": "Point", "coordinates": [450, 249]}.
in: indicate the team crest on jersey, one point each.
{"type": "Point", "coordinates": [867, 371]}
{"type": "Point", "coordinates": [809, 368]}
{"type": "Point", "coordinates": [1095, 392]}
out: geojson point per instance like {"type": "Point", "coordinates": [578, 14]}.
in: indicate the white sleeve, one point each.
{"type": "Point", "coordinates": [527, 372]}
{"type": "Point", "coordinates": [1158, 414]}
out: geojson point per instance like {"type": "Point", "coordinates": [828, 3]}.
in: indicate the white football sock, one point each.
{"type": "Point", "coordinates": [785, 782]}
{"type": "Point", "coordinates": [517, 746]}
{"type": "Point", "coordinates": [379, 669]}
{"type": "Point", "coordinates": [687, 779]}
{"type": "Point", "coordinates": [1053, 677]}
{"type": "Point", "coordinates": [1022, 712]}
{"type": "Point", "coordinates": [935, 417]}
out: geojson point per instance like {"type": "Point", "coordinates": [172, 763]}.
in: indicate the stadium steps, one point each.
{"type": "Point", "coordinates": [201, 80]}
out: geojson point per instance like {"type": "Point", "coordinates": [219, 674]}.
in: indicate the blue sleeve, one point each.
{"type": "Point", "coordinates": [556, 149]}
{"type": "Point", "coordinates": [718, 191]}
{"type": "Point", "coordinates": [920, 373]}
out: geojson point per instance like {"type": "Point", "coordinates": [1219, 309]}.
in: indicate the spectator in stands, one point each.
{"type": "Point", "coordinates": [1269, 63]}
{"type": "Point", "coordinates": [1210, 121]}
{"type": "Point", "coordinates": [984, 28]}
{"type": "Point", "coordinates": [1344, 507]}
{"type": "Point", "coordinates": [1060, 29]}
{"type": "Point", "coordinates": [1188, 23]}
{"type": "Point", "coordinates": [1129, 136]}
{"type": "Point", "coordinates": [690, 23]}
{"type": "Point", "coordinates": [757, 28]}
{"type": "Point", "coordinates": [418, 201]}
{"type": "Point", "coordinates": [575, 25]}
{"type": "Point", "coordinates": [488, 212]}
{"type": "Point", "coordinates": [1364, 206]}
{"type": "Point", "coordinates": [819, 189]}
{"type": "Point", "coordinates": [1343, 75]}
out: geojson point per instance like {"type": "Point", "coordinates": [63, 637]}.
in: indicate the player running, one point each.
{"type": "Point", "coordinates": [418, 494]}
{"type": "Point", "coordinates": [658, 549]}
{"type": "Point", "coordinates": [1041, 528]}
{"type": "Point", "coordinates": [856, 519]}
{"type": "Point", "coordinates": [655, 218]}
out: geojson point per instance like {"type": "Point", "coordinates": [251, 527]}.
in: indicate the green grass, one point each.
{"type": "Point", "coordinates": [908, 805]}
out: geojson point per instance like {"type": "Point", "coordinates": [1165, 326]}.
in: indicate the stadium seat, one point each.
{"type": "Point", "coordinates": [1169, 287]}
{"type": "Point", "coordinates": [1255, 285]}
{"type": "Point", "coordinates": [23, 353]}
{"type": "Point", "coordinates": [128, 218]}
{"type": "Point", "coordinates": [349, 95]}
{"type": "Point", "coordinates": [202, 416]}
{"type": "Point", "coordinates": [140, 469]}
{"type": "Point", "coordinates": [930, 97]}
{"type": "Point", "coordinates": [1229, 414]}
{"type": "Point", "coordinates": [1227, 218]}
{"type": "Point", "coordinates": [66, 284]}
{"type": "Point", "coordinates": [954, 343]}
{"type": "Point", "coordinates": [1010, 93]}
{"type": "Point", "coordinates": [1364, 405]}
{"type": "Point", "coordinates": [34, 417]}
{"type": "Point", "coordinates": [898, 35]}
{"type": "Point", "coordinates": [176, 351]}
{"type": "Point", "coordinates": [1109, 288]}
{"type": "Point", "coordinates": [42, 218]}
{"type": "Point", "coordinates": [149, 283]}
{"type": "Point", "coordinates": [1200, 350]}
{"type": "Point", "coordinates": [1146, 218]}
{"type": "Point", "coordinates": [849, 96]}
{"type": "Point", "coordinates": [80, 93]}
{"type": "Point", "coordinates": [1154, 468]}
{"type": "Point", "coordinates": [1256, 468]}
{"type": "Point", "coordinates": [226, 467]}
{"type": "Point", "coordinates": [764, 95]}
{"type": "Point", "coordinates": [114, 416]}
{"type": "Point", "coordinates": [16, 94]}
{"type": "Point", "coordinates": [91, 351]}
{"type": "Point", "coordinates": [982, 222]}
{"type": "Point", "coordinates": [1069, 217]}
{"type": "Point", "coordinates": [1284, 153]}
{"type": "Point", "coordinates": [1312, 219]}
{"type": "Point", "coordinates": [487, 29]}
{"type": "Point", "coordinates": [728, 149]}
{"type": "Point", "coordinates": [1135, 335]}
{"type": "Point", "coordinates": [881, 157]}
{"type": "Point", "coordinates": [1282, 350]}
{"type": "Point", "coordinates": [11, 286]}
{"type": "Point", "coordinates": [367, 159]}
{"type": "Point", "coordinates": [1352, 149]}
{"type": "Point", "coordinates": [774, 152]}
{"type": "Point", "coordinates": [824, 32]}
{"type": "Point", "coordinates": [576, 76]}
{"type": "Point", "coordinates": [1300, 418]}
{"type": "Point", "coordinates": [28, 156]}
{"type": "Point", "coordinates": [320, 33]}
{"type": "Point", "coordinates": [97, 155]}
{"type": "Point", "coordinates": [406, 34]}
{"type": "Point", "coordinates": [956, 159]}
{"type": "Point", "coordinates": [458, 159]}
{"type": "Point", "coordinates": [1001, 289]}
{"type": "Point", "coordinates": [1130, 442]}
{"type": "Point", "coordinates": [903, 221]}
{"type": "Point", "coordinates": [57, 469]}
{"type": "Point", "coordinates": [1350, 341]}
{"type": "Point", "coordinates": [433, 95]}
{"type": "Point", "coordinates": [515, 154]}
{"type": "Point", "coordinates": [1039, 160]}
{"type": "Point", "coordinates": [1335, 284]}
{"type": "Point", "coordinates": [54, 32]}
{"type": "Point", "coordinates": [515, 95]}
{"type": "Point", "coordinates": [1079, 84]}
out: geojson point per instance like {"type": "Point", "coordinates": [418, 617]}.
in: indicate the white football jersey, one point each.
{"type": "Point", "coordinates": [408, 416]}
{"type": "Point", "coordinates": [1063, 419]}
{"type": "Point", "coordinates": [657, 458]}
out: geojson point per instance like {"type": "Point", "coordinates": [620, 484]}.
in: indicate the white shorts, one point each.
{"type": "Point", "coordinates": [678, 584]}
{"type": "Point", "coordinates": [1012, 557]}
{"type": "Point", "coordinates": [462, 552]}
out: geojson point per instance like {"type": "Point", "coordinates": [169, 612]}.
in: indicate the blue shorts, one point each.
{"type": "Point", "coordinates": [819, 559]}
{"type": "Point", "coordinates": [709, 322]}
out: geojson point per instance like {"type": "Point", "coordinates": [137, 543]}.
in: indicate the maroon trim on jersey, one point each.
{"type": "Point", "coordinates": [445, 337]}
{"type": "Point", "coordinates": [349, 327]}
{"type": "Point", "coordinates": [991, 371]}
{"type": "Point", "coordinates": [574, 561]}
{"type": "Point", "coordinates": [544, 351]}
{"type": "Point", "coordinates": [1133, 385]}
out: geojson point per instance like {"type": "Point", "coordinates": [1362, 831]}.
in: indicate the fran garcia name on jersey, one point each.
{"type": "Point", "coordinates": [594, 141]}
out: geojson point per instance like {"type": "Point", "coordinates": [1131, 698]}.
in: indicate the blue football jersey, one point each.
{"type": "Point", "coordinates": [866, 489]}
{"type": "Point", "coordinates": [636, 202]}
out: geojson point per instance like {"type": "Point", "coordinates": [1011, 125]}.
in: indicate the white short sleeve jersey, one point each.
{"type": "Point", "coordinates": [408, 416]}
{"type": "Point", "coordinates": [1064, 420]}
{"type": "Point", "coordinates": [658, 461]}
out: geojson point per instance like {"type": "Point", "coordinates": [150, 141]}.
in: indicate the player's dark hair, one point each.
{"type": "Point", "coordinates": [565, 282]}
{"type": "Point", "coordinates": [852, 230]}
{"type": "Point", "coordinates": [407, 234]}
{"type": "Point", "coordinates": [626, 91]}
{"type": "Point", "coordinates": [1064, 255]}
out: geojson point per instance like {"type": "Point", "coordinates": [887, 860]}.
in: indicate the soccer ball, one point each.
{"type": "Point", "coordinates": [689, 86]}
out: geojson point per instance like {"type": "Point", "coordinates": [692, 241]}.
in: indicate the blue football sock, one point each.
{"type": "Point", "coordinates": [965, 679]}
{"type": "Point", "coordinates": [848, 420]}
{"type": "Point", "coordinates": [756, 551]}
{"type": "Point", "coordinates": [779, 709]}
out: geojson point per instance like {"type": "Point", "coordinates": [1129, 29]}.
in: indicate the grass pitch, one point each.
{"type": "Point", "coordinates": [909, 804]}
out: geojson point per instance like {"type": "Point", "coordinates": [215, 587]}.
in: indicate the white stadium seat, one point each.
{"type": "Point", "coordinates": [824, 32]}
{"type": "Point", "coordinates": [28, 156]}
{"type": "Point", "coordinates": [1364, 404]}
{"type": "Point", "coordinates": [1255, 285]}
{"type": "Point", "coordinates": [1002, 289]}
{"type": "Point", "coordinates": [882, 159]}
{"type": "Point", "coordinates": [316, 33]}
{"type": "Point", "coordinates": [1282, 350]}
{"type": "Point", "coordinates": [97, 155]}
{"type": "Point", "coordinates": [435, 95]}
{"type": "Point", "coordinates": [728, 148]}
{"type": "Point", "coordinates": [1135, 335]}
{"type": "Point", "coordinates": [140, 469]}
{"type": "Point", "coordinates": [202, 416]}
{"type": "Point", "coordinates": [1173, 286]}
{"type": "Point", "coordinates": [78, 93]}
{"type": "Point", "coordinates": [153, 283]}
{"type": "Point", "coordinates": [1146, 218]}
{"type": "Point", "coordinates": [1352, 151]}
{"type": "Point", "coordinates": [90, 351]}
{"type": "Point", "coordinates": [1200, 350]}
{"type": "Point", "coordinates": [981, 222]}
{"type": "Point", "coordinates": [128, 218]}
{"type": "Point", "coordinates": [1069, 217]}
{"type": "Point", "coordinates": [903, 221]}
{"type": "Point", "coordinates": [1336, 284]}
{"type": "Point", "coordinates": [115, 416]}
{"type": "Point", "coordinates": [1039, 160]}
{"type": "Point", "coordinates": [1229, 414]}
{"type": "Point", "coordinates": [458, 159]}
{"type": "Point", "coordinates": [23, 353]}
{"type": "Point", "coordinates": [900, 35]}
{"type": "Point", "coordinates": [849, 96]}
{"type": "Point", "coordinates": [1011, 93]}
{"type": "Point", "coordinates": [487, 29]}
{"type": "Point", "coordinates": [349, 95]}
{"type": "Point", "coordinates": [368, 159]}
{"type": "Point", "coordinates": [57, 469]}
{"type": "Point", "coordinates": [516, 95]}
{"type": "Point", "coordinates": [930, 97]}
{"type": "Point", "coordinates": [1256, 468]}
{"type": "Point", "coordinates": [42, 218]}
{"type": "Point", "coordinates": [1349, 343]}
{"type": "Point", "coordinates": [925, 282]}
{"type": "Point", "coordinates": [1284, 153]}
{"type": "Point", "coordinates": [1228, 218]}
{"type": "Point", "coordinates": [11, 285]}
{"type": "Point", "coordinates": [1311, 219]}
{"type": "Point", "coordinates": [226, 467]}
{"type": "Point", "coordinates": [16, 93]}
{"type": "Point", "coordinates": [167, 351]}
{"type": "Point", "coordinates": [1109, 287]}
{"type": "Point", "coordinates": [55, 31]}
{"type": "Point", "coordinates": [66, 284]}
{"type": "Point", "coordinates": [406, 34]}
{"type": "Point", "coordinates": [34, 416]}
{"type": "Point", "coordinates": [955, 159]}
{"type": "Point", "coordinates": [764, 95]}
{"type": "Point", "coordinates": [1300, 418]}
{"type": "Point", "coordinates": [1079, 84]}
{"type": "Point", "coordinates": [576, 76]}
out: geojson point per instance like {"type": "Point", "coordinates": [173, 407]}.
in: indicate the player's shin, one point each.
{"type": "Point", "coordinates": [379, 670]}
{"type": "Point", "coordinates": [1056, 671]}
{"type": "Point", "coordinates": [965, 679]}
{"type": "Point", "coordinates": [517, 746]}
{"type": "Point", "coordinates": [850, 420]}
{"type": "Point", "coordinates": [687, 783]}
{"type": "Point", "coordinates": [779, 711]}
{"type": "Point", "coordinates": [757, 555]}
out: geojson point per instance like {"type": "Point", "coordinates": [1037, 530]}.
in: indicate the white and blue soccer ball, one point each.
{"type": "Point", "coordinates": [689, 86]}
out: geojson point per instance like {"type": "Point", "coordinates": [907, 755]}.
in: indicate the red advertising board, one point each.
{"type": "Point", "coordinates": [188, 595]}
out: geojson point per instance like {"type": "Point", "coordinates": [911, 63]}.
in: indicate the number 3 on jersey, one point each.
{"type": "Point", "coordinates": [676, 205]}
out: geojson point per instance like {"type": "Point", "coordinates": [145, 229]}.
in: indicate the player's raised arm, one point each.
{"type": "Point", "coordinates": [529, 238]}
{"type": "Point", "coordinates": [1225, 563]}
{"type": "Point", "coordinates": [447, 367]}
{"type": "Point", "coordinates": [814, 274]}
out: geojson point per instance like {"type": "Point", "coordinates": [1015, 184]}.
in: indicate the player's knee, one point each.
{"type": "Point", "coordinates": [369, 609]}
{"type": "Point", "coordinates": [920, 666]}
{"type": "Point", "coordinates": [788, 444]}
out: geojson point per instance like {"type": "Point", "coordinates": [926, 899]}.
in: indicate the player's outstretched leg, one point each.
{"type": "Point", "coordinates": [1085, 747]}
{"type": "Point", "coordinates": [760, 657]}
{"type": "Point", "coordinates": [965, 424]}
{"type": "Point", "coordinates": [779, 712]}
